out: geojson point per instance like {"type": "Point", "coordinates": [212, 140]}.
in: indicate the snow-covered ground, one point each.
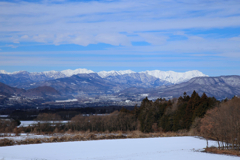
{"type": "Point", "coordinates": [179, 148]}
{"type": "Point", "coordinates": [31, 123]}
{"type": "Point", "coordinates": [24, 136]}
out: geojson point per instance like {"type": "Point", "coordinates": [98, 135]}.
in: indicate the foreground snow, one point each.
{"type": "Point", "coordinates": [180, 148]}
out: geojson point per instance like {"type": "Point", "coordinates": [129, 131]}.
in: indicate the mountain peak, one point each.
{"type": "Point", "coordinates": [70, 72]}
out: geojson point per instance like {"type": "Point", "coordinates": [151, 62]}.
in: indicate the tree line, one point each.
{"type": "Point", "coordinates": [173, 115]}
{"type": "Point", "coordinates": [162, 115]}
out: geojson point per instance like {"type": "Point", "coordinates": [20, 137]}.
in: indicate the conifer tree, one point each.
{"type": "Point", "coordinates": [192, 104]}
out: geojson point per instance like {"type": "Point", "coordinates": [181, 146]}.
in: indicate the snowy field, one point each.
{"type": "Point", "coordinates": [179, 148]}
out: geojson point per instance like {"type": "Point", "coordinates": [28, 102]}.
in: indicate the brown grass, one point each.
{"type": "Point", "coordinates": [84, 136]}
{"type": "Point", "coordinates": [222, 151]}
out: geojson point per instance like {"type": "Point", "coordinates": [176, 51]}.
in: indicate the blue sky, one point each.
{"type": "Point", "coordinates": [177, 35]}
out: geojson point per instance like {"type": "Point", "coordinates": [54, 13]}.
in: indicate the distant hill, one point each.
{"type": "Point", "coordinates": [5, 89]}
{"type": "Point", "coordinates": [43, 91]}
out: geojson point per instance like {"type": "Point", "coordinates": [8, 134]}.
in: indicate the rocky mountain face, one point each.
{"type": "Point", "coordinates": [91, 84]}
{"type": "Point", "coordinates": [22, 79]}
{"type": "Point", "coordinates": [137, 80]}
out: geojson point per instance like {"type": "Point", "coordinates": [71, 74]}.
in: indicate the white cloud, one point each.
{"type": "Point", "coordinates": [235, 38]}
{"type": "Point", "coordinates": [82, 39]}
{"type": "Point", "coordinates": [12, 46]}
{"type": "Point", "coordinates": [231, 54]}
{"type": "Point", "coordinates": [113, 39]}
{"type": "Point", "coordinates": [192, 46]}
{"type": "Point", "coordinates": [154, 38]}
{"type": "Point", "coordinates": [43, 38]}
{"type": "Point", "coordinates": [25, 37]}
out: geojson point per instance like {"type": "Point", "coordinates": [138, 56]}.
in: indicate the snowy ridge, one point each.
{"type": "Point", "coordinates": [3, 72]}
{"type": "Point", "coordinates": [104, 74]}
{"type": "Point", "coordinates": [175, 77]}
{"type": "Point", "coordinates": [70, 72]}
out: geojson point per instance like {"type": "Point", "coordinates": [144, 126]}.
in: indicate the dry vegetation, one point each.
{"type": "Point", "coordinates": [220, 151]}
{"type": "Point", "coordinates": [84, 136]}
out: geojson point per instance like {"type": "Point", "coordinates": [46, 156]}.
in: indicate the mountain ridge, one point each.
{"type": "Point", "coordinates": [220, 87]}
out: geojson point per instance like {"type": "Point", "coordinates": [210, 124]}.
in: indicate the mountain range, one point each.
{"type": "Point", "coordinates": [169, 76]}
{"type": "Point", "coordinates": [86, 83]}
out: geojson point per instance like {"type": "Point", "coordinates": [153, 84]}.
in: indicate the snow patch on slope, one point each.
{"type": "Point", "coordinates": [104, 74]}
{"type": "Point", "coordinates": [53, 74]}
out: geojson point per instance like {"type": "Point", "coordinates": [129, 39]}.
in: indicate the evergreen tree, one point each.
{"type": "Point", "coordinates": [191, 106]}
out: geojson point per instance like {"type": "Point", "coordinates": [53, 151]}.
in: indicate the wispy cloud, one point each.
{"type": "Point", "coordinates": [138, 33]}
{"type": "Point", "coordinates": [94, 22]}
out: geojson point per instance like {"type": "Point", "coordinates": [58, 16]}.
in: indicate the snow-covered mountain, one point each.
{"type": "Point", "coordinates": [51, 74]}
{"type": "Point", "coordinates": [169, 76]}
{"type": "Point", "coordinates": [175, 77]}
{"type": "Point", "coordinates": [126, 83]}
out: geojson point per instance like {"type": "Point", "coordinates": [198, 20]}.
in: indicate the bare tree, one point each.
{"type": "Point", "coordinates": [223, 124]}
